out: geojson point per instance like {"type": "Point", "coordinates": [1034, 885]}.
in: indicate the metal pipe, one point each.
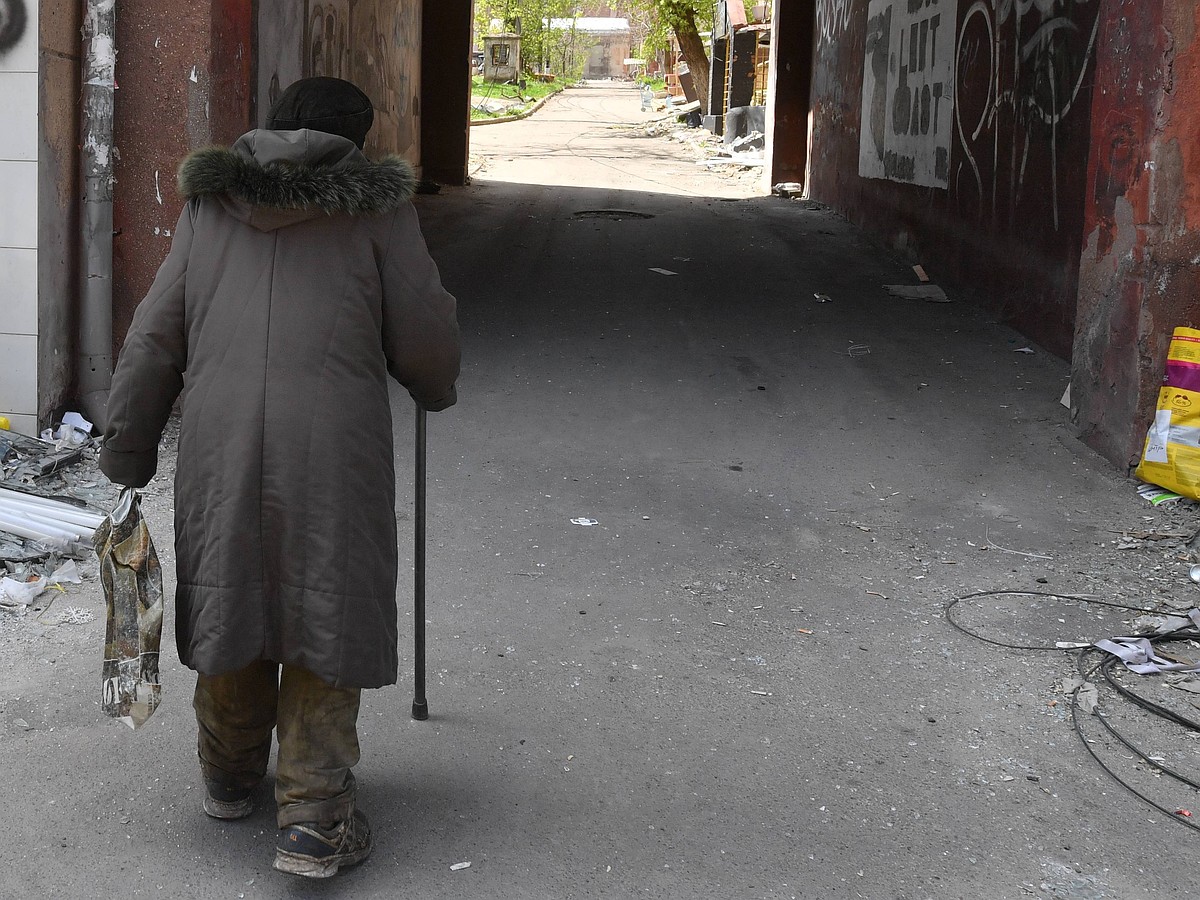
{"type": "Point", "coordinates": [94, 361]}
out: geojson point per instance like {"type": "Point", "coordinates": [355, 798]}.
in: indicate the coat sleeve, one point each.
{"type": "Point", "coordinates": [420, 325]}
{"type": "Point", "coordinates": [149, 373]}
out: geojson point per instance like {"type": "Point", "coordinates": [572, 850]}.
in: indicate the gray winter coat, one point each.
{"type": "Point", "coordinates": [297, 281]}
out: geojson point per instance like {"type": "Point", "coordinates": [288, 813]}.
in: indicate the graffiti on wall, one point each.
{"type": "Point", "coordinates": [325, 48]}
{"type": "Point", "coordinates": [13, 22]}
{"type": "Point", "coordinates": [1021, 67]}
{"type": "Point", "coordinates": [833, 17]}
{"type": "Point", "coordinates": [908, 91]}
{"type": "Point", "coordinates": [374, 43]}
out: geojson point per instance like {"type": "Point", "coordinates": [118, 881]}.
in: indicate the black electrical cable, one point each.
{"type": "Point", "coordinates": [1172, 814]}
{"type": "Point", "coordinates": [1075, 597]}
{"type": "Point", "coordinates": [1105, 667]}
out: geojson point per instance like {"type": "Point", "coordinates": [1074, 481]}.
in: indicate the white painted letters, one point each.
{"type": "Point", "coordinates": [908, 91]}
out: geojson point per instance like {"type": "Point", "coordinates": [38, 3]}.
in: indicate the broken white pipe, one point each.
{"type": "Point", "coordinates": [43, 517]}
{"type": "Point", "coordinates": [79, 521]}
{"type": "Point", "coordinates": [55, 509]}
{"type": "Point", "coordinates": [65, 530]}
{"type": "Point", "coordinates": [46, 534]}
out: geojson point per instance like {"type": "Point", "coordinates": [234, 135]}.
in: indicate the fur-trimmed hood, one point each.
{"type": "Point", "coordinates": [270, 179]}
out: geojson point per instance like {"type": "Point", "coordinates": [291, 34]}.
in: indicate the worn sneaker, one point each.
{"type": "Point", "coordinates": [223, 802]}
{"type": "Point", "coordinates": [317, 851]}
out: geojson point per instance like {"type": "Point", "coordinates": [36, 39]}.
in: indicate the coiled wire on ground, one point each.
{"type": "Point", "coordinates": [1106, 667]}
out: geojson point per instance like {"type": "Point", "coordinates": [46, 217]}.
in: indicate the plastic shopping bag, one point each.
{"type": "Point", "coordinates": [1171, 457]}
{"type": "Point", "coordinates": [133, 594]}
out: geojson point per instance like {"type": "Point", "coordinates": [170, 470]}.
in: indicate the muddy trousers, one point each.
{"type": "Point", "coordinates": [318, 738]}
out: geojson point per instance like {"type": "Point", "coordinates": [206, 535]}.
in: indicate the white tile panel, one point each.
{"type": "Point", "coordinates": [18, 200]}
{"type": "Point", "coordinates": [19, 115]}
{"type": "Point", "coordinates": [24, 56]}
{"type": "Point", "coordinates": [18, 373]}
{"type": "Point", "coordinates": [22, 424]}
{"type": "Point", "coordinates": [18, 291]}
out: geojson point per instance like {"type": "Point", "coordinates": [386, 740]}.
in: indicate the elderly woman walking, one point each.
{"type": "Point", "coordinates": [296, 283]}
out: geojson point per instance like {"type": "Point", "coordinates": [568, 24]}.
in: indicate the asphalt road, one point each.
{"type": "Point", "coordinates": [739, 681]}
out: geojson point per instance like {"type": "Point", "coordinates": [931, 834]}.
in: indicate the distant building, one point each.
{"type": "Point", "coordinates": [606, 58]}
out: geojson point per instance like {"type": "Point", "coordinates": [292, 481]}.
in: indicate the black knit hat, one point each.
{"type": "Point", "coordinates": [323, 104]}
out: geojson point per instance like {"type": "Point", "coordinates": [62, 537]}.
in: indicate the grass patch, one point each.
{"type": "Point", "coordinates": [654, 82]}
{"type": "Point", "coordinates": [516, 99]}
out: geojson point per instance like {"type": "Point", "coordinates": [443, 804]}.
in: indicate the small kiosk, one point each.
{"type": "Point", "coordinates": [501, 57]}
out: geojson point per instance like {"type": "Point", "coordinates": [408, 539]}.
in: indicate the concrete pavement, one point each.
{"type": "Point", "coordinates": [738, 682]}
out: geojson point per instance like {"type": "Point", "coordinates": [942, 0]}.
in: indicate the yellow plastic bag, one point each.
{"type": "Point", "coordinates": [133, 593]}
{"type": "Point", "coordinates": [1171, 457]}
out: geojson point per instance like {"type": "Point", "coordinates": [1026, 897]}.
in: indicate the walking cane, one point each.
{"type": "Point", "coordinates": [420, 707]}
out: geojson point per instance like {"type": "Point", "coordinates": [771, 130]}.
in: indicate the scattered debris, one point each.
{"type": "Point", "coordinates": [1066, 397]}
{"type": "Point", "coordinates": [930, 292]}
{"type": "Point", "coordinates": [755, 140]}
{"type": "Point", "coordinates": [73, 431]}
{"type": "Point", "coordinates": [858, 350]}
{"type": "Point", "coordinates": [920, 273]}
{"type": "Point", "coordinates": [583, 520]}
{"type": "Point", "coordinates": [1157, 496]}
{"type": "Point", "coordinates": [748, 160]}
{"type": "Point", "coordinates": [1184, 683]}
{"type": "Point", "coordinates": [1149, 626]}
{"type": "Point", "coordinates": [1141, 656]}
{"type": "Point", "coordinates": [23, 459]}
{"type": "Point", "coordinates": [29, 583]}
{"type": "Point", "coordinates": [1151, 535]}
{"type": "Point", "coordinates": [1086, 693]}
{"type": "Point", "coordinates": [662, 271]}
{"type": "Point", "coordinates": [989, 544]}
{"type": "Point", "coordinates": [1024, 350]}
{"type": "Point", "coordinates": [823, 298]}
{"type": "Point", "coordinates": [458, 867]}
{"type": "Point", "coordinates": [70, 615]}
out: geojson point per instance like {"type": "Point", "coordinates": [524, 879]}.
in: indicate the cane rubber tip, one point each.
{"type": "Point", "coordinates": [420, 710]}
